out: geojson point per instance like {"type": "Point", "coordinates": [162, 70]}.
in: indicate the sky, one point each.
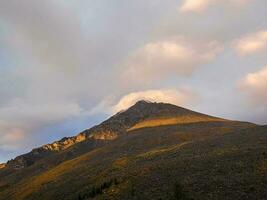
{"type": "Point", "coordinates": [66, 65]}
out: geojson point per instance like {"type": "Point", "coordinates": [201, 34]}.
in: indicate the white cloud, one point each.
{"type": "Point", "coordinates": [255, 86]}
{"type": "Point", "coordinates": [201, 5]}
{"type": "Point", "coordinates": [252, 43]}
{"type": "Point", "coordinates": [195, 5]}
{"type": "Point", "coordinates": [178, 55]}
{"type": "Point", "coordinates": [179, 97]}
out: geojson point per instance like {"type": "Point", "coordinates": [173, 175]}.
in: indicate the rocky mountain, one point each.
{"type": "Point", "coordinates": [149, 151]}
{"type": "Point", "coordinates": [142, 114]}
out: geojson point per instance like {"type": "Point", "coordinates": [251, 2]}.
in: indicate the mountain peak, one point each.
{"type": "Point", "coordinates": [142, 114]}
{"type": "Point", "coordinates": [144, 102]}
{"type": "Point", "coordinates": [138, 104]}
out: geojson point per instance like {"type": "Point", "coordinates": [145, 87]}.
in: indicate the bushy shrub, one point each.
{"type": "Point", "coordinates": [179, 192]}
{"type": "Point", "coordinates": [95, 190]}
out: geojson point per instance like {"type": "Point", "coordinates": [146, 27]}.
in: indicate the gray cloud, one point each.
{"type": "Point", "coordinates": [177, 55]}
{"type": "Point", "coordinates": [64, 57]}
{"type": "Point", "coordinates": [59, 59]}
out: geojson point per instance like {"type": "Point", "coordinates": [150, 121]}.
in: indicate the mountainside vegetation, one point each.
{"type": "Point", "coordinates": [150, 151]}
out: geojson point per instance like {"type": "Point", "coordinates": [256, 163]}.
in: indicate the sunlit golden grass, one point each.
{"type": "Point", "coordinates": [262, 167]}
{"type": "Point", "coordinates": [121, 162]}
{"type": "Point", "coordinates": [225, 151]}
{"type": "Point", "coordinates": [51, 175]}
{"type": "Point", "coordinates": [172, 121]}
{"type": "Point", "coordinates": [160, 151]}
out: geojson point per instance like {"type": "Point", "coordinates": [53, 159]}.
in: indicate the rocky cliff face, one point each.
{"type": "Point", "coordinates": [111, 129]}
{"type": "Point", "coordinates": [2, 165]}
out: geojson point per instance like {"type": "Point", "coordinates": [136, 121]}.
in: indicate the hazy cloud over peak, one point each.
{"type": "Point", "coordinates": [181, 97]}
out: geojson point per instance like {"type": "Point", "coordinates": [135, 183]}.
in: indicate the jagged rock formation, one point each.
{"type": "Point", "coordinates": [2, 165]}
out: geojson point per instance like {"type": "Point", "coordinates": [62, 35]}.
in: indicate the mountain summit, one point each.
{"type": "Point", "coordinates": [142, 114]}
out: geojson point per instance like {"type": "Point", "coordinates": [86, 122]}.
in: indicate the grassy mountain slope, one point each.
{"type": "Point", "coordinates": [152, 157]}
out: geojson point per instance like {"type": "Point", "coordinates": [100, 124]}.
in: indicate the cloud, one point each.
{"type": "Point", "coordinates": [201, 5]}
{"type": "Point", "coordinates": [252, 43]}
{"type": "Point", "coordinates": [11, 137]}
{"type": "Point", "coordinates": [19, 119]}
{"type": "Point", "coordinates": [21, 110]}
{"type": "Point", "coordinates": [195, 5]}
{"type": "Point", "coordinates": [59, 59]}
{"type": "Point", "coordinates": [178, 97]}
{"type": "Point", "coordinates": [254, 85]}
{"type": "Point", "coordinates": [175, 56]}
